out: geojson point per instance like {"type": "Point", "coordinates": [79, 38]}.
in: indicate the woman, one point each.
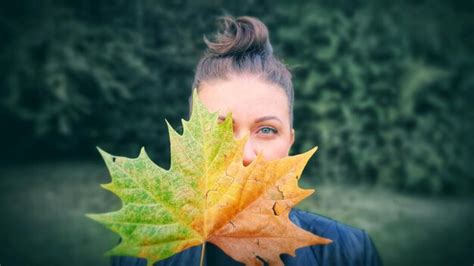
{"type": "Point", "coordinates": [239, 74]}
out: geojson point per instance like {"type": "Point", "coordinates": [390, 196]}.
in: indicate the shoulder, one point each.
{"type": "Point", "coordinates": [350, 245]}
{"type": "Point", "coordinates": [189, 256]}
{"type": "Point", "coordinates": [327, 227]}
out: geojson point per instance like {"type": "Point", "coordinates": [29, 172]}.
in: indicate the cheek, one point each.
{"type": "Point", "coordinates": [275, 149]}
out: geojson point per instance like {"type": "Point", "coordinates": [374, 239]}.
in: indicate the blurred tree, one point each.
{"type": "Point", "coordinates": [381, 111]}
{"type": "Point", "coordinates": [384, 88]}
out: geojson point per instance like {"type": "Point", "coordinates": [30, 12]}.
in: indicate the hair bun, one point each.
{"type": "Point", "coordinates": [239, 37]}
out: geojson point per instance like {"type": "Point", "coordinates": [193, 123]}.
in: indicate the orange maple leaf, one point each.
{"type": "Point", "coordinates": [207, 195]}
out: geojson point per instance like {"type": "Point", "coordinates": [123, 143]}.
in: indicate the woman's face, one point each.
{"type": "Point", "coordinates": [259, 109]}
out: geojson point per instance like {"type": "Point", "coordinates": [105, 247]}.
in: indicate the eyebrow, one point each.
{"type": "Point", "coordinates": [258, 120]}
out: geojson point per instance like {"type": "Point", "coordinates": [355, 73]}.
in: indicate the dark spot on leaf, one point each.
{"type": "Point", "coordinates": [210, 190]}
{"type": "Point", "coordinates": [262, 260]}
{"type": "Point", "coordinates": [274, 210]}
{"type": "Point", "coordinates": [113, 159]}
{"type": "Point", "coordinates": [281, 192]}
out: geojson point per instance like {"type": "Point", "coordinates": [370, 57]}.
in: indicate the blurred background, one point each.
{"type": "Point", "coordinates": [384, 88]}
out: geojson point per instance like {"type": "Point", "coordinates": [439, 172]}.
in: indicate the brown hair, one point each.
{"type": "Point", "coordinates": [243, 46]}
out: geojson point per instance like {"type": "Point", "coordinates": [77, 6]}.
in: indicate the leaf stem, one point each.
{"type": "Point", "coordinates": [203, 250]}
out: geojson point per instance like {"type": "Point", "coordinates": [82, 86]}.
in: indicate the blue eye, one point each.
{"type": "Point", "coordinates": [268, 130]}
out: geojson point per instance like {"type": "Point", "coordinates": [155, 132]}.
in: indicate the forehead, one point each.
{"type": "Point", "coordinates": [246, 96]}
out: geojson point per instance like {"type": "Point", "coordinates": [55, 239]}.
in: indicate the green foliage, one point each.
{"type": "Point", "coordinates": [63, 70]}
{"type": "Point", "coordinates": [383, 89]}
{"type": "Point", "coordinates": [379, 112]}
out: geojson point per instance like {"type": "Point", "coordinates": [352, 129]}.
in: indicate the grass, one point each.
{"type": "Point", "coordinates": [407, 229]}
{"type": "Point", "coordinates": [42, 218]}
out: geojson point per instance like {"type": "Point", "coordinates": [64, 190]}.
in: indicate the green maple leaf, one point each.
{"type": "Point", "coordinates": [206, 195]}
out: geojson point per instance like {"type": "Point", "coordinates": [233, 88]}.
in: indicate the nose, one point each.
{"type": "Point", "coordinates": [250, 153]}
{"type": "Point", "coordinates": [250, 148]}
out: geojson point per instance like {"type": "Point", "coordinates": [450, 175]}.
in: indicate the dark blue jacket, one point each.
{"type": "Point", "coordinates": [350, 247]}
